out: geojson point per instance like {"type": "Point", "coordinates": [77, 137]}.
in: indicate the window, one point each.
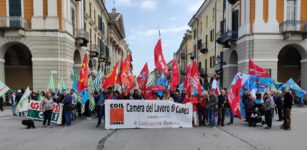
{"type": "Point", "coordinates": [213, 59]}
{"type": "Point", "coordinates": [90, 5]}
{"type": "Point", "coordinates": [15, 7]}
{"type": "Point", "coordinates": [201, 27]}
{"type": "Point", "coordinates": [213, 14]}
{"type": "Point", "coordinates": [206, 38]}
{"type": "Point", "coordinates": [210, 62]}
{"type": "Point", "coordinates": [194, 33]}
{"type": "Point", "coordinates": [206, 21]}
{"type": "Point", "coordinates": [291, 9]}
{"type": "Point", "coordinates": [206, 64]}
{"type": "Point", "coordinates": [94, 16]}
{"type": "Point", "coordinates": [90, 37]}
{"type": "Point", "coordinates": [73, 21]}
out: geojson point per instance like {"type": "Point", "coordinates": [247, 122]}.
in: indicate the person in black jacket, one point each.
{"type": "Point", "coordinates": [221, 108]}
{"type": "Point", "coordinates": [1, 103]}
{"type": "Point", "coordinates": [288, 102]}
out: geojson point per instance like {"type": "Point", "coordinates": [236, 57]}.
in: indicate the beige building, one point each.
{"type": "Point", "coordinates": [44, 37]}
{"type": "Point", "coordinates": [272, 32]}
{"type": "Point", "coordinates": [184, 53]}
{"type": "Point", "coordinates": [204, 25]}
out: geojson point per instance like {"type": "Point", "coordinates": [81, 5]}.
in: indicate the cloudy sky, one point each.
{"type": "Point", "coordinates": [144, 18]}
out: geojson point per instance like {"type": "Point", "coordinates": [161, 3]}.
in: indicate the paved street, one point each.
{"type": "Point", "coordinates": [84, 136]}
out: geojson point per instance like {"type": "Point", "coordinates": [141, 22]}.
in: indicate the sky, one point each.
{"type": "Point", "coordinates": [144, 18]}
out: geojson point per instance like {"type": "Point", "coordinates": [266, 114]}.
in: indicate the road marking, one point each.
{"type": "Point", "coordinates": [100, 145]}
{"type": "Point", "coordinates": [239, 138]}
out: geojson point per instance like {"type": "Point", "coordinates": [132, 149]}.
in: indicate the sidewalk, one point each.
{"type": "Point", "coordinates": [7, 112]}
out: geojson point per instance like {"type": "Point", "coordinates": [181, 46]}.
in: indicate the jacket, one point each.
{"type": "Point", "coordinates": [212, 102]}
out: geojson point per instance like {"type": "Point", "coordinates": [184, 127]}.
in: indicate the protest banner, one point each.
{"type": "Point", "coordinates": [147, 114]}
{"type": "Point", "coordinates": [35, 112]}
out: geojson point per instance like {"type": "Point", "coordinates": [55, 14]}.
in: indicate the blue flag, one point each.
{"type": "Point", "coordinates": [85, 96]}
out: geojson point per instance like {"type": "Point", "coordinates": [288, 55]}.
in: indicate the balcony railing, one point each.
{"type": "Point", "coordinates": [203, 48]}
{"type": "Point", "coordinates": [13, 22]}
{"type": "Point", "coordinates": [293, 26]}
{"type": "Point", "coordinates": [232, 1]}
{"type": "Point", "coordinates": [225, 38]}
{"type": "Point", "coordinates": [82, 37]}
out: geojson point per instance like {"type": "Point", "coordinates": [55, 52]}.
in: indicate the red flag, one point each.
{"type": "Point", "coordinates": [256, 70]}
{"type": "Point", "coordinates": [234, 98]}
{"type": "Point", "coordinates": [159, 59]}
{"type": "Point", "coordinates": [111, 78]}
{"type": "Point", "coordinates": [126, 77]}
{"type": "Point", "coordinates": [132, 85]}
{"type": "Point", "coordinates": [143, 78]}
{"type": "Point", "coordinates": [195, 79]}
{"type": "Point", "coordinates": [83, 75]}
{"type": "Point", "coordinates": [118, 79]}
{"type": "Point", "coordinates": [186, 83]}
{"type": "Point", "coordinates": [175, 75]}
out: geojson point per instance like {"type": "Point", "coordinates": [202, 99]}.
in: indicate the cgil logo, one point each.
{"type": "Point", "coordinates": [117, 114]}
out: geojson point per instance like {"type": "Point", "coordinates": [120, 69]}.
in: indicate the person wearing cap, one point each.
{"type": "Point", "coordinates": [18, 97]}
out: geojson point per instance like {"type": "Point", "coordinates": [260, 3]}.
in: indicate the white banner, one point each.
{"type": "Point", "coordinates": [147, 114]}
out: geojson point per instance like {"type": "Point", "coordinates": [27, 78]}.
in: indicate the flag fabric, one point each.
{"type": "Point", "coordinates": [92, 102]}
{"type": "Point", "coordinates": [151, 80]}
{"type": "Point", "coordinates": [127, 77]}
{"type": "Point", "coordinates": [83, 75]}
{"type": "Point", "coordinates": [143, 78]}
{"type": "Point", "coordinates": [195, 79]}
{"type": "Point", "coordinates": [23, 104]}
{"type": "Point", "coordinates": [91, 83]}
{"type": "Point", "coordinates": [3, 88]}
{"type": "Point", "coordinates": [132, 86]}
{"type": "Point", "coordinates": [73, 75]}
{"type": "Point", "coordinates": [163, 81]}
{"type": "Point", "coordinates": [186, 83]}
{"type": "Point", "coordinates": [278, 85]}
{"type": "Point", "coordinates": [234, 98]}
{"type": "Point", "coordinates": [290, 84]}
{"type": "Point", "coordinates": [120, 67]}
{"type": "Point", "coordinates": [159, 58]}
{"type": "Point", "coordinates": [256, 70]}
{"type": "Point", "coordinates": [85, 96]}
{"type": "Point", "coordinates": [175, 75]}
{"type": "Point", "coordinates": [51, 82]}
{"type": "Point", "coordinates": [111, 78]}
{"type": "Point", "coordinates": [215, 87]}
{"type": "Point", "coordinates": [98, 80]}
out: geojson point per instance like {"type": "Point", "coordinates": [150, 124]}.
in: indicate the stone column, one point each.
{"type": "Point", "coordinates": [272, 25]}
{"type": "Point", "coordinates": [259, 25]}
{"type": "Point", "coordinates": [304, 75]}
{"type": "Point", "coordinates": [52, 18]}
{"type": "Point", "coordinates": [38, 19]}
{"type": "Point", "coordinates": [2, 70]}
{"type": "Point", "coordinates": [66, 8]}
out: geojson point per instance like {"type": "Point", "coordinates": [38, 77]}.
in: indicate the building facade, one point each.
{"type": "Point", "coordinates": [204, 25]}
{"type": "Point", "coordinates": [272, 32]}
{"type": "Point", "coordinates": [40, 38]}
{"type": "Point", "coordinates": [184, 53]}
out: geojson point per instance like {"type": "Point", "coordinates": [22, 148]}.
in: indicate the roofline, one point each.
{"type": "Point", "coordinates": [196, 15]}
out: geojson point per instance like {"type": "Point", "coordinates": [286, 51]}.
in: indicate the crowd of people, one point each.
{"type": "Point", "coordinates": [209, 109]}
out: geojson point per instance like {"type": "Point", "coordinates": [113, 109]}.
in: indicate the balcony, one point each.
{"type": "Point", "coordinates": [293, 27]}
{"type": "Point", "coordinates": [232, 1]}
{"type": "Point", "coordinates": [226, 38]}
{"type": "Point", "coordinates": [94, 50]}
{"type": "Point", "coordinates": [203, 48]}
{"type": "Point", "coordinates": [13, 23]}
{"type": "Point", "coordinates": [82, 37]}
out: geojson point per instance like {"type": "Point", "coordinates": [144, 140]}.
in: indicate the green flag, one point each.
{"type": "Point", "coordinates": [91, 86]}
{"type": "Point", "coordinates": [23, 104]}
{"type": "Point", "coordinates": [51, 83]}
{"type": "Point", "coordinates": [151, 80]}
{"type": "Point", "coordinates": [92, 102]}
{"type": "Point", "coordinates": [3, 88]}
